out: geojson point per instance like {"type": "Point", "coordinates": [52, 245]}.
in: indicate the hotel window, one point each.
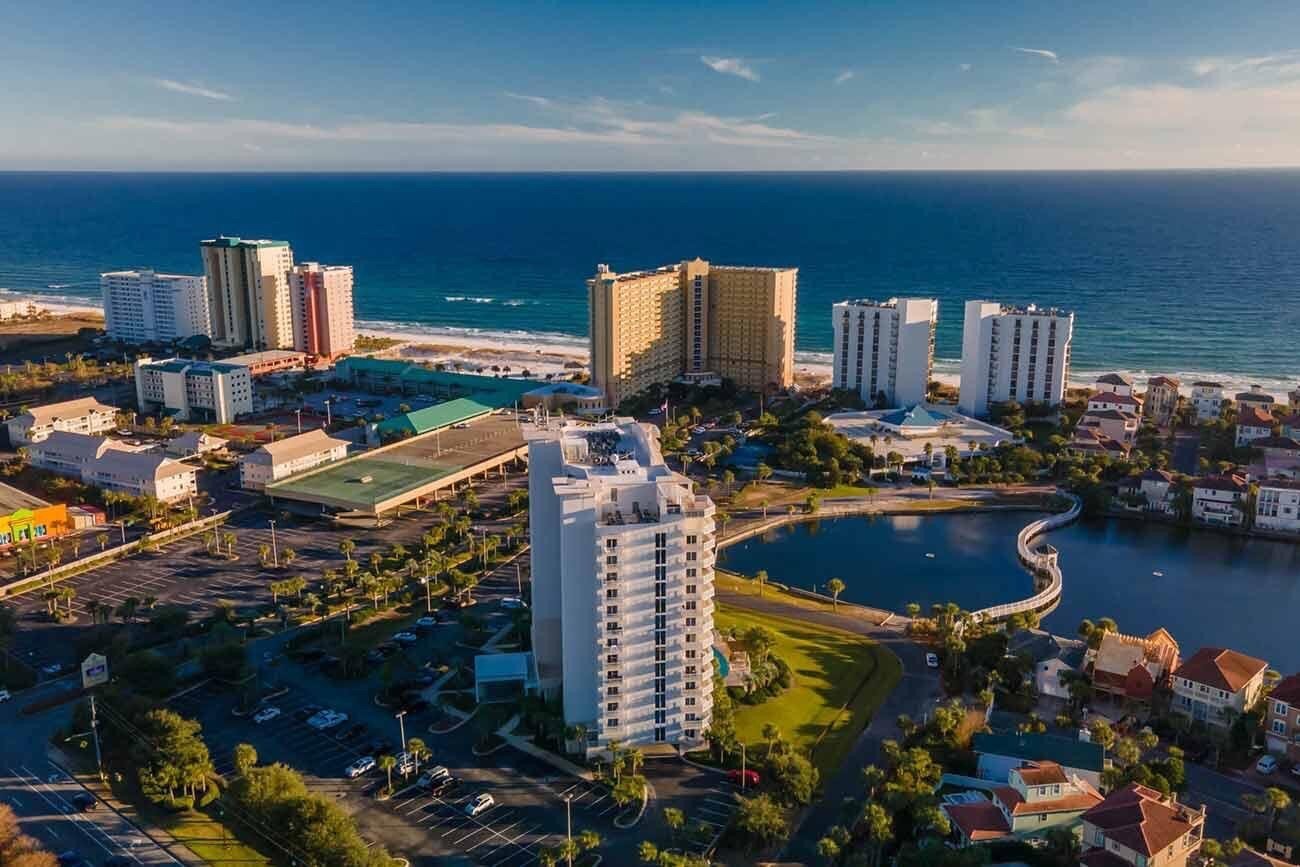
{"type": "Point", "coordinates": [612, 723]}
{"type": "Point", "coordinates": [611, 690]}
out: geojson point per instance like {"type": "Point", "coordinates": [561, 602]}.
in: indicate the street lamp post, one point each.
{"type": "Point", "coordinates": [401, 725]}
{"type": "Point", "coordinates": [428, 597]}
{"type": "Point", "coordinates": [275, 554]}
{"type": "Point", "coordinates": [568, 821]}
{"type": "Point", "coordinates": [298, 413]}
{"type": "Point", "coordinates": [742, 766]}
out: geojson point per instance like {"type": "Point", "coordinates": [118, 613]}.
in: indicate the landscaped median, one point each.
{"type": "Point", "coordinates": [839, 679]}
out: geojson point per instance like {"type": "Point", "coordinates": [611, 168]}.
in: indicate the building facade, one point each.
{"type": "Point", "coordinates": [248, 292]}
{"type": "Point", "coordinates": [1282, 718]}
{"type": "Point", "coordinates": [1162, 399]}
{"type": "Point", "coordinates": [1256, 397]}
{"type": "Point", "coordinates": [106, 463]}
{"type": "Point", "coordinates": [23, 525]}
{"type": "Point", "coordinates": [145, 306]}
{"type": "Point", "coordinates": [1037, 796]}
{"type": "Point", "coordinates": [193, 390]}
{"type": "Point", "coordinates": [1138, 826]}
{"type": "Point", "coordinates": [321, 299]}
{"type": "Point", "coordinates": [85, 415]}
{"type": "Point", "coordinates": [1115, 383]}
{"type": "Point", "coordinates": [1219, 500]}
{"type": "Point", "coordinates": [884, 350]}
{"type": "Point", "coordinates": [290, 456]}
{"type": "Point", "coordinates": [1013, 353]}
{"type": "Point", "coordinates": [1207, 399]}
{"type": "Point", "coordinates": [623, 557]}
{"type": "Point", "coordinates": [1215, 685]}
{"type": "Point", "coordinates": [1253, 424]}
{"type": "Point", "coordinates": [1277, 506]}
{"type": "Point", "coordinates": [695, 321]}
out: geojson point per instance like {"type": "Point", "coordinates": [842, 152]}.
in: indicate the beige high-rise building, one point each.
{"type": "Point", "coordinates": [248, 292]}
{"type": "Point", "coordinates": [695, 321]}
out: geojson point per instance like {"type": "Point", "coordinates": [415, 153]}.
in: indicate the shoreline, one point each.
{"type": "Point", "coordinates": [549, 352]}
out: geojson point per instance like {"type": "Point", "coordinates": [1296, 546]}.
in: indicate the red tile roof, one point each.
{"type": "Point", "coordinates": [1222, 483]}
{"type": "Point", "coordinates": [1114, 397]}
{"type": "Point", "coordinates": [1253, 416]}
{"type": "Point", "coordinates": [1221, 668]}
{"type": "Point", "coordinates": [1136, 817]}
{"type": "Point", "coordinates": [1287, 690]}
{"type": "Point", "coordinates": [978, 820]}
{"type": "Point", "coordinates": [1163, 380]}
{"type": "Point", "coordinates": [1042, 773]}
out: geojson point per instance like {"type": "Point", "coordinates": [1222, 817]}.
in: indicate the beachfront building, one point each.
{"type": "Point", "coordinates": [1220, 500]}
{"type": "Point", "coordinates": [1121, 427]}
{"type": "Point", "coordinates": [1215, 685]}
{"type": "Point", "coordinates": [1257, 398]}
{"type": "Point", "coordinates": [85, 415]}
{"type": "Point", "coordinates": [1091, 441]}
{"type": "Point", "coordinates": [145, 306]}
{"type": "Point", "coordinates": [1038, 795]}
{"type": "Point", "coordinates": [1128, 668]}
{"type": "Point", "coordinates": [1140, 827]}
{"type": "Point", "coordinates": [1278, 458]}
{"type": "Point", "coordinates": [1115, 401]}
{"type": "Point", "coordinates": [264, 362]}
{"type": "Point", "coordinates": [622, 554]}
{"type": "Point", "coordinates": [1017, 354]}
{"type": "Point", "coordinates": [884, 350]}
{"type": "Point", "coordinates": [1253, 424]}
{"type": "Point", "coordinates": [1282, 718]}
{"type": "Point", "coordinates": [107, 463]}
{"type": "Point", "coordinates": [190, 390]}
{"type": "Point", "coordinates": [1152, 490]}
{"type": "Point", "coordinates": [1293, 399]}
{"type": "Point", "coordinates": [288, 457]}
{"type": "Point", "coordinates": [321, 301]}
{"type": "Point", "coordinates": [248, 292]}
{"type": "Point", "coordinates": [1291, 426]}
{"type": "Point", "coordinates": [1161, 399]}
{"type": "Point", "coordinates": [693, 321]}
{"type": "Point", "coordinates": [1207, 399]}
{"type": "Point", "coordinates": [1277, 505]}
{"type": "Point", "coordinates": [1115, 383]}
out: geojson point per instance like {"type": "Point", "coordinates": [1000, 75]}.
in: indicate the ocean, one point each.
{"type": "Point", "coordinates": [1191, 273]}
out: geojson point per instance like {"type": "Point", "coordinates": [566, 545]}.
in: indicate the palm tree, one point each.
{"type": "Point", "coordinates": [418, 750]}
{"type": "Point", "coordinates": [760, 578]}
{"type": "Point", "coordinates": [102, 539]}
{"type": "Point", "coordinates": [230, 538]}
{"type": "Point", "coordinates": [346, 547]}
{"type": "Point", "coordinates": [386, 763]}
{"type": "Point", "coordinates": [836, 586]}
{"type": "Point", "coordinates": [771, 734]}
{"type": "Point", "coordinates": [287, 556]}
{"type": "Point", "coordinates": [150, 601]}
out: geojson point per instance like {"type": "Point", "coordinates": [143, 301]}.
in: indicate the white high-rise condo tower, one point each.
{"type": "Point", "coordinates": [1013, 353]}
{"type": "Point", "coordinates": [884, 350]}
{"type": "Point", "coordinates": [622, 561]}
{"type": "Point", "coordinates": [143, 306]}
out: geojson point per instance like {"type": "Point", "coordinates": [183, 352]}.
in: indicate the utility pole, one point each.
{"type": "Point", "coordinates": [328, 418]}
{"type": "Point", "coordinates": [275, 554]}
{"type": "Point", "coordinates": [94, 730]}
{"type": "Point", "coordinates": [298, 413]}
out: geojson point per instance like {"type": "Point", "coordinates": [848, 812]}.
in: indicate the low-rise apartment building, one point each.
{"type": "Point", "coordinates": [1253, 424]}
{"type": "Point", "coordinates": [1277, 506]}
{"type": "Point", "coordinates": [290, 456]}
{"type": "Point", "coordinates": [1138, 826]}
{"type": "Point", "coordinates": [1130, 669]}
{"type": "Point", "coordinates": [85, 415]}
{"type": "Point", "coordinates": [106, 463]}
{"type": "Point", "coordinates": [1037, 796]}
{"type": "Point", "coordinates": [1282, 718]}
{"type": "Point", "coordinates": [1220, 500]}
{"type": "Point", "coordinates": [189, 390]}
{"type": "Point", "coordinates": [1215, 684]}
{"type": "Point", "coordinates": [1207, 399]}
{"type": "Point", "coordinates": [1161, 399]}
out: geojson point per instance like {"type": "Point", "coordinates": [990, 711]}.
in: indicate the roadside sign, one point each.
{"type": "Point", "coordinates": [94, 671]}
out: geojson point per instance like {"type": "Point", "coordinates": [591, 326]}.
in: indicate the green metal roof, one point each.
{"type": "Point", "coordinates": [1067, 752]}
{"type": "Point", "coordinates": [498, 392]}
{"type": "Point", "coordinates": [422, 421]}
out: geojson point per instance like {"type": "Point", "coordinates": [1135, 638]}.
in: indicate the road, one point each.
{"type": "Point", "coordinates": [1222, 797]}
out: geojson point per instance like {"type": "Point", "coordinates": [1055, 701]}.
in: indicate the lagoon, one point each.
{"type": "Point", "coordinates": [1213, 589]}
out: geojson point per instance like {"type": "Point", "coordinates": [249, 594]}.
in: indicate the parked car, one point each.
{"type": "Point", "coordinates": [327, 719]}
{"type": "Point", "coordinates": [266, 714]}
{"type": "Point", "coordinates": [932, 660]}
{"type": "Point", "coordinates": [443, 617]}
{"type": "Point", "coordinates": [435, 776]}
{"type": "Point", "coordinates": [306, 712]}
{"type": "Point", "coordinates": [423, 680]}
{"type": "Point", "coordinates": [513, 603]}
{"type": "Point", "coordinates": [4, 695]}
{"type": "Point", "coordinates": [480, 803]}
{"type": "Point", "coordinates": [1266, 765]}
{"type": "Point", "coordinates": [405, 638]}
{"type": "Point", "coordinates": [375, 656]}
{"type": "Point", "coordinates": [425, 623]}
{"type": "Point", "coordinates": [748, 778]}
{"type": "Point", "coordinates": [359, 767]}
{"type": "Point", "coordinates": [85, 802]}
{"type": "Point", "coordinates": [462, 602]}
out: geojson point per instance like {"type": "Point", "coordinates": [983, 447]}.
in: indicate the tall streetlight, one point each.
{"type": "Point", "coordinates": [298, 413]}
{"type": "Point", "coordinates": [275, 553]}
{"type": "Point", "coordinates": [568, 821]}
{"type": "Point", "coordinates": [401, 725]}
{"type": "Point", "coordinates": [328, 419]}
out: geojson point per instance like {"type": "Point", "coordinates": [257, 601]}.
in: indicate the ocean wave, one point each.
{"type": "Point", "coordinates": [472, 299]}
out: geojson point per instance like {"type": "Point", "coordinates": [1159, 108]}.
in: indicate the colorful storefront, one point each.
{"type": "Point", "coordinates": [21, 525]}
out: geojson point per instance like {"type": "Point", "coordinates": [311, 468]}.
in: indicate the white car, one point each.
{"type": "Point", "coordinates": [327, 719]}
{"type": "Point", "coordinates": [266, 714]}
{"type": "Point", "coordinates": [932, 660]}
{"type": "Point", "coordinates": [434, 776]}
{"type": "Point", "coordinates": [480, 803]}
{"type": "Point", "coordinates": [1266, 764]}
{"type": "Point", "coordinates": [513, 603]}
{"type": "Point", "coordinates": [405, 638]}
{"type": "Point", "coordinates": [359, 767]}
{"type": "Point", "coordinates": [426, 622]}
{"type": "Point", "coordinates": [4, 695]}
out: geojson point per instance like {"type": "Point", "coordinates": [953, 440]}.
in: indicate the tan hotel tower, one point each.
{"type": "Point", "coordinates": [696, 321]}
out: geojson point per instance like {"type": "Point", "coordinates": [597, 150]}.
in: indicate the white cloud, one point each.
{"type": "Point", "coordinates": [1038, 52]}
{"type": "Point", "coordinates": [193, 89]}
{"type": "Point", "coordinates": [846, 75]}
{"type": "Point", "coordinates": [965, 67]}
{"type": "Point", "coordinates": [731, 66]}
{"type": "Point", "coordinates": [1285, 64]}
{"type": "Point", "coordinates": [539, 101]}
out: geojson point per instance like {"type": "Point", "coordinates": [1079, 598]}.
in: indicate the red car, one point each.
{"type": "Point", "coordinates": [748, 779]}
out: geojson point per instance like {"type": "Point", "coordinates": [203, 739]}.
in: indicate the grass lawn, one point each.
{"type": "Point", "coordinates": [840, 679]}
{"type": "Point", "coordinates": [204, 837]}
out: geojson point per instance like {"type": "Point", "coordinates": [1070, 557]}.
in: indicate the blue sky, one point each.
{"type": "Point", "coordinates": [656, 86]}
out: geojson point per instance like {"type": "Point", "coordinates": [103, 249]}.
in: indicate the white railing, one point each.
{"type": "Point", "coordinates": [1041, 562]}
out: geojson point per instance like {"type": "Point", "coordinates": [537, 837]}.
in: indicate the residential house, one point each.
{"type": "Point", "coordinates": [193, 443]}
{"type": "Point", "coordinates": [1113, 400]}
{"type": "Point", "coordinates": [1257, 398]}
{"type": "Point", "coordinates": [1277, 507]}
{"type": "Point", "coordinates": [1115, 383]}
{"type": "Point", "coordinates": [998, 755]}
{"type": "Point", "coordinates": [1207, 399]}
{"type": "Point", "coordinates": [1214, 684]}
{"type": "Point", "coordinates": [1130, 669]}
{"type": "Point", "coordinates": [1253, 424]}
{"type": "Point", "coordinates": [1053, 657]}
{"type": "Point", "coordinates": [296, 454]}
{"type": "Point", "coordinates": [1282, 718]}
{"type": "Point", "coordinates": [1138, 826]}
{"type": "Point", "coordinates": [1279, 457]}
{"type": "Point", "coordinates": [1091, 441]}
{"type": "Point", "coordinates": [1161, 399]}
{"type": "Point", "coordinates": [1291, 426]}
{"type": "Point", "coordinates": [1293, 399]}
{"type": "Point", "coordinates": [1037, 796]}
{"type": "Point", "coordinates": [85, 415]}
{"type": "Point", "coordinates": [1118, 425]}
{"type": "Point", "coordinates": [1220, 500]}
{"type": "Point", "coordinates": [106, 463]}
{"type": "Point", "coordinates": [1153, 490]}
